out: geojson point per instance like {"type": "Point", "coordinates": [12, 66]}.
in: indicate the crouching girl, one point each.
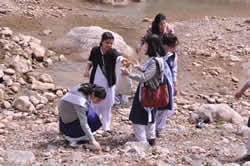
{"type": "Point", "coordinates": [77, 120]}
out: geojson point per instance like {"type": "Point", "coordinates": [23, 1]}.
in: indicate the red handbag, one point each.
{"type": "Point", "coordinates": [155, 98]}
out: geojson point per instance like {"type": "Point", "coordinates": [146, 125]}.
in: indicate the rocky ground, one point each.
{"type": "Point", "coordinates": [212, 54]}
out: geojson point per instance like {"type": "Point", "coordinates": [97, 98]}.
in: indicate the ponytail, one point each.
{"type": "Point", "coordinates": [87, 89]}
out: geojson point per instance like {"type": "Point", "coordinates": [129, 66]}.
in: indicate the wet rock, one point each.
{"type": "Point", "coordinates": [46, 78]}
{"type": "Point", "coordinates": [23, 103]}
{"type": "Point", "coordinates": [20, 157]}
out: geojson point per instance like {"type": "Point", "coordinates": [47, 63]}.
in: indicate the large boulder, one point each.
{"type": "Point", "coordinates": [217, 112]}
{"type": "Point", "coordinates": [82, 39]}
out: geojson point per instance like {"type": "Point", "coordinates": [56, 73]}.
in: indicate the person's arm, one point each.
{"type": "Point", "coordinates": [242, 90]}
{"type": "Point", "coordinates": [88, 67]}
{"type": "Point", "coordinates": [90, 63]}
{"type": "Point", "coordinates": [145, 76]}
{"type": "Point", "coordinates": [142, 41]}
{"type": "Point", "coordinates": [82, 115]}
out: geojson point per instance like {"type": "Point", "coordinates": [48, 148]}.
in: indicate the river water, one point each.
{"type": "Point", "coordinates": [179, 10]}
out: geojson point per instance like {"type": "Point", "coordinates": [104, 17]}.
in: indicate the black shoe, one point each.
{"type": "Point", "coordinates": [200, 121]}
{"type": "Point", "coordinates": [151, 142]}
{"type": "Point", "coordinates": [243, 159]}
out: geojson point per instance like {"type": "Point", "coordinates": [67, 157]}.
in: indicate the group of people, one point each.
{"type": "Point", "coordinates": [81, 109]}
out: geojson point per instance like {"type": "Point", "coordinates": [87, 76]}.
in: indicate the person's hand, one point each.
{"type": "Point", "coordinates": [124, 71]}
{"type": "Point", "coordinates": [175, 91]}
{"type": "Point", "coordinates": [86, 74]}
{"type": "Point", "coordinates": [136, 66]}
{"type": "Point", "coordinates": [238, 95]}
{"type": "Point", "coordinates": [97, 145]}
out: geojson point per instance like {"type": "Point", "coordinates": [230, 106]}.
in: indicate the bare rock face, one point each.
{"type": "Point", "coordinates": [23, 103]}
{"type": "Point", "coordinates": [218, 112]}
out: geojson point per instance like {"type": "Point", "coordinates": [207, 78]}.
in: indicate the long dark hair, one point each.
{"type": "Point", "coordinates": [170, 40]}
{"type": "Point", "coordinates": [155, 47]}
{"type": "Point", "coordinates": [107, 36]}
{"type": "Point", "coordinates": [155, 24]}
{"type": "Point", "coordinates": [87, 89]}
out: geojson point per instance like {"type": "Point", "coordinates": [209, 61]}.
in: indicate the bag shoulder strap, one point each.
{"type": "Point", "coordinates": [161, 72]}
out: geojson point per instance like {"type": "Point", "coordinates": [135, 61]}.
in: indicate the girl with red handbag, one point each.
{"type": "Point", "coordinates": [143, 118]}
